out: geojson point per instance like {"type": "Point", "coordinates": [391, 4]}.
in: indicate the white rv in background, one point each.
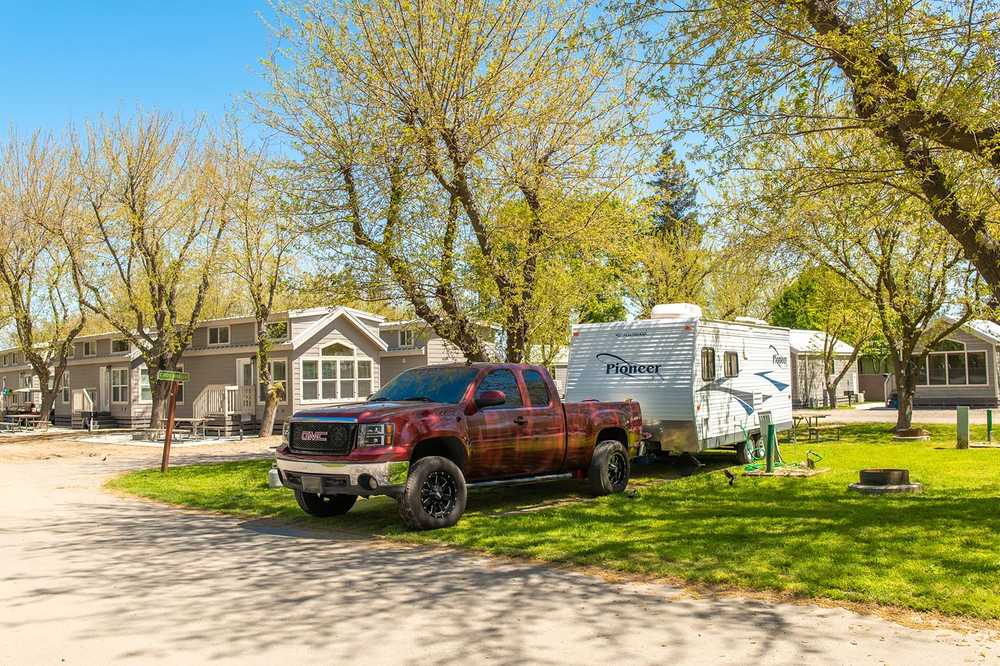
{"type": "Point", "coordinates": [701, 384]}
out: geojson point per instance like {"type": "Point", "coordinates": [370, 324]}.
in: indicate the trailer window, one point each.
{"type": "Point", "coordinates": [731, 364]}
{"type": "Point", "coordinates": [708, 364]}
{"type": "Point", "coordinates": [538, 390]}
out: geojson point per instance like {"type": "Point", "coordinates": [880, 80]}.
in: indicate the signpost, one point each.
{"type": "Point", "coordinates": [174, 378]}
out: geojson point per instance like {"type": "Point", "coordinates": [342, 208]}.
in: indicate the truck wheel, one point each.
{"type": "Point", "coordinates": [609, 468]}
{"type": "Point", "coordinates": [325, 506]}
{"type": "Point", "coordinates": [434, 495]}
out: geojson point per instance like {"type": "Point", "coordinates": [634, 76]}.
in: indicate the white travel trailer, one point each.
{"type": "Point", "coordinates": [701, 384]}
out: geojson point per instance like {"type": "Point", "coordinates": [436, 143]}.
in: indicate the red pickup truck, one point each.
{"type": "Point", "coordinates": [432, 432]}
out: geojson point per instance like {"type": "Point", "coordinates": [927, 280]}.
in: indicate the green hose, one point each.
{"type": "Point", "coordinates": [778, 460]}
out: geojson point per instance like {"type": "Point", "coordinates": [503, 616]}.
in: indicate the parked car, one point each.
{"type": "Point", "coordinates": [432, 432]}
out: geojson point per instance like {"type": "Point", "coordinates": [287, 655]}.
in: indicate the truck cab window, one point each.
{"type": "Point", "coordinates": [502, 380]}
{"type": "Point", "coordinates": [538, 390]}
{"type": "Point", "coordinates": [731, 364]}
{"type": "Point", "coordinates": [708, 364]}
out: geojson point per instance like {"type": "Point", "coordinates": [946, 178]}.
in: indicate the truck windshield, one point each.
{"type": "Point", "coordinates": [427, 384]}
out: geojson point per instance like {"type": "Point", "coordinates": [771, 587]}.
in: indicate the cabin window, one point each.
{"type": "Point", "coordinates": [948, 346]}
{"type": "Point", "coordinates": [977, 368]}
{"type": "Point", "coordinates": [951, 365]}
{"type": "Point", "coordinates": [731, 364]}
{"type": "Point", "coordinates": [708, 364]}
{"type": "Point", "coordinates": [338, 375]}
{"type": "Point", "coordinates": [538, 390]}
{"type": "Point", "coordinates": [956, 369]}
{"type": "Point", "coordinates": [119, 346]}
{"type": "Point", "coordinates": [65, 387]}
{"type": "Point", "coordinates": [502, 380]}
{"type": "Point", "coordinates": [310, 380]}
{"type": "Point", "coordinates": [279, 376]}
{"type": "Point", "coordinates": [145, 392]}
{"type": "Point", "coordinates": [364, 379]}
{"type": "Point", "coordinates": [218, 335]}
{"type": "Point", "coordinates": [337, 349]}
{"type": "Point", "coordinates": [119, 385]}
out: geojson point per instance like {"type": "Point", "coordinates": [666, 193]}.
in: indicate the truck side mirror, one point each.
{"type": "Point", "coordinates": [490, 399]}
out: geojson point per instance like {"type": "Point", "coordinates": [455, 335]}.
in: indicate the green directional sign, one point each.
{"type": "Point", "coordinates": [172, 376]}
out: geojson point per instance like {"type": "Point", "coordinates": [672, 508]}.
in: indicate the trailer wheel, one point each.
{"type": "Point", "coordinates": [609, 468]}
{"type": "Point", "coordinates": [325, 506]}
{"type": "Point", "coordinates": [748, 451]}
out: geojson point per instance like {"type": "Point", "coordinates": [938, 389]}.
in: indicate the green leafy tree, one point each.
{"type": "Point", "coordinates": [37, 194]}
{"type": "Point", "coordinates": [899, 263]}
{"type": "Point", "coordinates": [919, 82]}
{"type": "Point", "coordinates": [798, 306]}
{"type": "Point", "coordinates": [417, 122]}
{"type": "Point", "coordinates": [674, 200]}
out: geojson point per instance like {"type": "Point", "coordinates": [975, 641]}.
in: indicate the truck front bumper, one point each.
{"type": "Point", "coordinates": [344, 478]}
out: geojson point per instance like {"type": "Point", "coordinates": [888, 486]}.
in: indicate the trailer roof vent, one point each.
{"type": "Point", "coordinates": [675, 311]}
{"type": "Point", "coordinates": [751, 320]}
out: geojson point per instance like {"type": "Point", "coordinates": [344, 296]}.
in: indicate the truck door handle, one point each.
{"type": "Point", "coordinates": [520, 420]}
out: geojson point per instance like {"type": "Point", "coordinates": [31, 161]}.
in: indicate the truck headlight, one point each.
{"type": "Point", "coordinates": [284, 432]}
{"type": "Point", "coordinates": [374, 435]}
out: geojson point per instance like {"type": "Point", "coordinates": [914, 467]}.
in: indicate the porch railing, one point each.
{"type": "Point", "coordinates": [83, 400]}
{"type": "Point", "coordinates": [222, 400]}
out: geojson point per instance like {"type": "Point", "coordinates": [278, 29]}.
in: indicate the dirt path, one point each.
{"type": "Point", "coordinates": [88, 577]}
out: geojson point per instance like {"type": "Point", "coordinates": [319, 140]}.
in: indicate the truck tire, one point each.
{"type": "Point", "coordinates": [325, 506]}
{"type": "Point", "coordinates": [609, 468]}
{"type": "Point", "coordinates": [434, 495]}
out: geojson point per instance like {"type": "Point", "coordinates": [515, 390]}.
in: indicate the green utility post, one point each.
{"type": "Point", "coordinates": [963, 427]}
{"type": "Point", "coordinates": [772, 444]}
{"type": "Point", "coordinates": [989, 426]}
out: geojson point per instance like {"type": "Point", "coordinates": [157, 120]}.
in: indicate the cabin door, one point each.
{"type": "Point", "coordinates": [105, 392]}
{"type": "Point", "coordinates": [246, 380]}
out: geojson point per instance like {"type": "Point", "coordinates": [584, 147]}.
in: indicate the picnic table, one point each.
{"type": "Point", "coordinates": [813, 428]}
{"type": "Point", "coordinates": [24, 421]}
{"type": "Point", "coordinates": [192, 424]}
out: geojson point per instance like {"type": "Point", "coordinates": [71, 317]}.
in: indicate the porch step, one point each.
{"type": "Point", "coordinates": [101, 420]}
{"type": "Point", "coordinates": [229, 426]}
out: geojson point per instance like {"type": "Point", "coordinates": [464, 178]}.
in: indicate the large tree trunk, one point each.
{"type": "Point", "coordinates": [831, 394]}
{"type": "Point", "coordinates": [160, 392]}
{"type": "Point", "coordinates": [48, 399]}
{"type": "Point", "coordinates": [270, 411]}
{"type": "Point", "coordinates": [905, 375]}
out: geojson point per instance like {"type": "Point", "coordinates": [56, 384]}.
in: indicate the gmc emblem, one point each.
{"type": "Point", "coordinates": [313, 436]}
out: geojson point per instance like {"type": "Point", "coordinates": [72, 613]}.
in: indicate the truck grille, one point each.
{"type": "Point", "coordinates": [335, 439]}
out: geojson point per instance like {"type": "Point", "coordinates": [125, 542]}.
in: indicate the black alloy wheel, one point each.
{"type": "Point", "coordinates": [617, 469]}
{"type": "Point", "coordinates": [439, 494]}
{"type": "Point", "coordinates": [434, 495]}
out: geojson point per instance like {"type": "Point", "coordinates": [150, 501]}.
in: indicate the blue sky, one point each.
{"type": "Point", "coordinates": [69, 61]}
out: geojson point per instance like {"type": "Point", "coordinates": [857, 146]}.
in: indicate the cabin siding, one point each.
{"type": "Point", "coordinates": [394, 365]}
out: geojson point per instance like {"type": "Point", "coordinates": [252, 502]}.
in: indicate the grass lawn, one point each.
{"type": "Point", "coordinates": [939, 551]}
